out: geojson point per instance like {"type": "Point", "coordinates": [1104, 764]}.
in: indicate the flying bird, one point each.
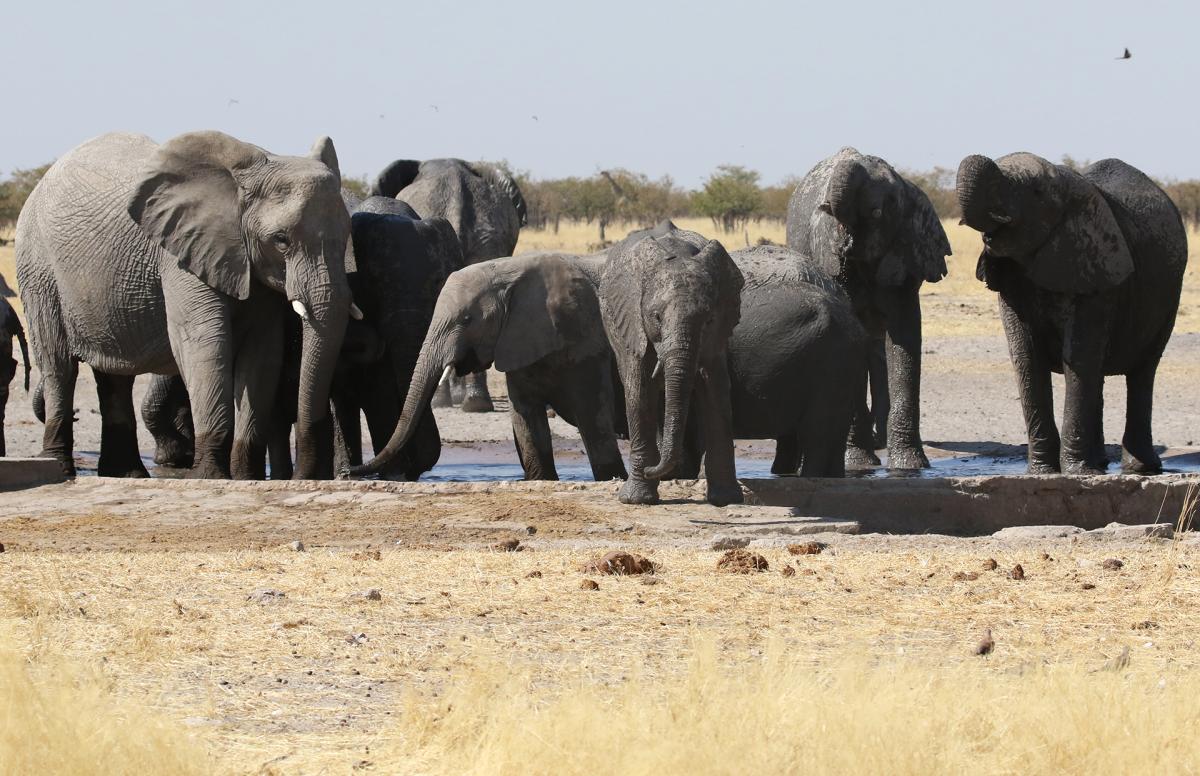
{"type": "Point", "coordinates": [435, 108]}
{"type": "Point", "coordinates": [1126, 55]}
{"type": "Point", "coordinates": [232, 102]}
{"type": "Point", "coordinates": [535, 117]}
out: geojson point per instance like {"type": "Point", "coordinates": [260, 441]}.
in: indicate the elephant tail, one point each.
{"type": "Point", "coordinates": [395, 177]}
{"type": "Point", "coordinates": [24, 352]}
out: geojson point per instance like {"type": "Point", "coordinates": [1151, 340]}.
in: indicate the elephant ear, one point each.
{"type": "Point", "coordinates": [534, 306]}
{"type": "Point", "coordinates": [501, 181]}
{"type": "Point", "coordinates": [1086, 252]}
{"type": "Point", "coordinates": [188, 201]}
{"type": "Point", "coordinates": [621, 298]}
{"type": "Point", "coordinates": [920, 249]}
{"type": "Point", "coordinates": [324, 152]}
{"type": "Point", "coordinates": [729, 280]}
{"type": "Point", "coordinates": [395, 177]}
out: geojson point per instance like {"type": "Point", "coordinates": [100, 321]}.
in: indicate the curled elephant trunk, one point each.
{"type": "Point", "coordinates": [679, 369]}
{"type": "Point", "coordinates": [842, 197]}
{"type": "Point", "coordinates": [978, 183]}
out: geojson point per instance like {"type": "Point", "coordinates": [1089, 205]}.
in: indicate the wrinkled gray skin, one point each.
{"type": "Point", "coordinates": [864, 225]}
{"type": "Point", "coordinates": [536, 317]}
{"type": "Point", "coordinates": [794, 365]}
{"type": "Point", "coordinates": [184, 257]}
{"type": "Point", "coordinates": [486, 210]}
{"type": "Point", "coordinates": [10, 329]}
{"type": "Point", "coordinates": [669, 295]}
{"type": "Point", "coordinates": [1088, 266]}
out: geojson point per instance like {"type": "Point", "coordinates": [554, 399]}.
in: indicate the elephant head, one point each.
{"type": "Point", "coordinates": [510, 312]}
{"type": "Point", "coordinates": [231, 213]}
{"type": "Point", "coordinates": [1048, 219]}
{"type": "Point", "coordinates": [670, 298]}
{"type": "Point", "coordinates": [883, 221]}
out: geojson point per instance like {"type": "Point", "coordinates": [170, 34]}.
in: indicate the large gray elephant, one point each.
{"type": "Point", "coordinates": [670, 301]}
{"type": "Point", "coordinates": [10, 329]}
{"type": "Point", "coordinates": [537, 318]}
{"type": "Point", "coordinates": [135, 257]}
{"type": "Point", "coordinates": [794, 365]}
{"type": "Point", "coordinates": [484, 206]}
{"type": "Point", "coordinates": [877, 234]}
{"type": "Point", "coordinates": [1089, 267]}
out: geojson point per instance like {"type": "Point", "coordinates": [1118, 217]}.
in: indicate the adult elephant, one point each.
{"type": "Point", "coordinates": [135, 257]}
{"type": "Point", "coordinates": [794, 364]}
{"type": "Point", "coordinates": [484, 206]}
{"type": "Point", "coordinates": [670, 300]}
{"type": "Point", "coordinates": [537, 318]}
{"type": "Point", "coordinates": [877, 234]}
{"type": "Point", "coordinates": [1088, 267]}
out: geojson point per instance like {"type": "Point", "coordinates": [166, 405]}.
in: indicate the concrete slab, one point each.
{"type": "Point", "coordinates": [16, 473]}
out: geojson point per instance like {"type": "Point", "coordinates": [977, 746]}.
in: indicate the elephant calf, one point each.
{"type": "Point", "coordinates": [10, 328]}
{"type": "Point", "coordinates": [1089, 267]}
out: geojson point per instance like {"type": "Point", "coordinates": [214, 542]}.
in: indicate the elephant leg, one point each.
{"type": "Point", "coordinates": [168, 417]}
{"type": "Point", "coordinates": [279, 449]}
{"type": "Point", "coordinates": [640, 402]}
{"type": "Point", "coordinates": [787, 454]}
{"type": "Point", "coordinates": [593, 411]}
{"type": "Point", "coordinates": [1138, 456]}
{"type": "Point", "coordinates": [860, 445]}
{"type": "Point", "coordinates": [1083, 411]}
{"type": "Point", "coordinates": [119, 456]}
{"type": "Point", "coordinates": [905, 450]}
{"type": "Point", "coordinates": [1036, 392]}
{"type": "Point", "coordinates": [877, 379]}
{"type": "Point", "coordinates": [717, 422]}
{"type": "Point", "coordinates": [256, 378]}
{"type": "Point", "coordinates": [348, 429]}
{"type": "Point", "coordinates": [531, 432]}
{"type": "Point", "coordinates": [425, 447]}
{"type": "Point", "coordinates": [693, 450]}
{"type": "Point", "coordinates": [58, 400]}
{"type": "Point", "coordinates": [477, 398]}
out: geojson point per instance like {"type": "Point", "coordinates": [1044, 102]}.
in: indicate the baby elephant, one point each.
{"type": "Point", "coordinates": [10, 327]}
{"type": "Point", "coordinates": [1089, 267]}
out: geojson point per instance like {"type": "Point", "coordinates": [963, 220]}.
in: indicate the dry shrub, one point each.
{"type": "Point", "coordinates": [56, 719]}
{"type": "Point", "coordinates": [777, 715]}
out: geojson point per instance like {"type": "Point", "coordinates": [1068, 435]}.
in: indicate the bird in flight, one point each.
{"type": "Point", "coordinates": [233, 102]}
{"type": "Point", "coordinates": [535, 118]}
{"type": "Point", "coordinates": [435, 108]}
{"type": "Point", "coordinates": [1126, 55]}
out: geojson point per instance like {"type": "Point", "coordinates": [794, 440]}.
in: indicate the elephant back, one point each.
{"type": "Point", "coordinates": [1147, 217]}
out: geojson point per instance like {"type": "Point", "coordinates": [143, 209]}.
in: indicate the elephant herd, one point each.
{"type": "Point", "coordinates": [188, 260]}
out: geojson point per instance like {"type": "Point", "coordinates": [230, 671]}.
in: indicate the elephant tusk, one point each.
{"type": "Point", "coordinates": [446, 374]}
{"type": "Point", "coordinates": [1000, 219]}
{"type": "Point", "coordinates": [300, 309]}
{"type": "Point", "coordinates": [355, 313]}
{"type": "Point", "coordinates": [703, 374]}
{"type": "Point", "coordinates": [657, 370]}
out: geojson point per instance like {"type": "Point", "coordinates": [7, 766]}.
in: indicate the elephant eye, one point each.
{"type": "Point", "coordinates": [877, 213]}
{"type": "Point", "coordinates": [281, 241]}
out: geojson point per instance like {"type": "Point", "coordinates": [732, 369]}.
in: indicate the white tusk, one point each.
{"type": "Point", "coordinates": [657, 370]}
{"type": "Point", "coordinates": [300, 309]}
{"type": "Point", "coordinates": [355, 313]}
{"type": "Point", "coordinates": [446, 374]}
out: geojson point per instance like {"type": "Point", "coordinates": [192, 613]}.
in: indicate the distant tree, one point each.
{"type": "Point", "coordinates": [730, 197]}
{"type": "Point", "coordinates": [359, 187]}
{"type": "Point", "coordinates": [14, 192]}
{"type": "Point", "coordinates": [1186, 196]}
{"type": "Point", "coordinates": [775, 198]}
{"type": "Point", "coordinates": [939, 185]}
{"type": "Point", "coordinates": [1071, 163]}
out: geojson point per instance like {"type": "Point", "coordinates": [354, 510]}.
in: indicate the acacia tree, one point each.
{"type": "Point", "coordinates": [730, 197]}
{"type": "Point", "coordinates": [14, 192]}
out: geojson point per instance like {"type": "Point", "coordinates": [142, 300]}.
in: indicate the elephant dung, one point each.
{"type": "Point", "coordinates": [741, 561]}
{"type": "Point", "coordinates": [620, 564]}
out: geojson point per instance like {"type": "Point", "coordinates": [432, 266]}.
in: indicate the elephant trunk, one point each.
{"type": "Point", "coordinates": [979, 179]}
{"type": "Point", "coordinates": [436, 354]}
{"type": "Point", "coordinates": [842, 197]}
{"type": "Point", "coordinates": [679, 371]}
{"type": "Point", "coordinates": [325, 297]}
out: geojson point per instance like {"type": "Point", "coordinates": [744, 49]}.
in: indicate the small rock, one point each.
{"type": "Point", "coordinates": [1027, 532]}
{"type": "Point", "coordinates": [589, 584]}
{"type": "Point", "coordinates": [1122, 531]}
{"type": "Point", "coordinates": [807, 548]}
{"type": "Point", "coordinates": [1088, 586]}
{"type": "Point", "coordinates": [508, 545]}
{"type": "Point", "coordinates": [535, 574]}
{"type": "Point", "coordinates": [1145, 625]}
{"type": "Point", "coordinates": [788, 571]}
{"type": "Point", "coordinates": [1112, 564]}
{"type": "Point", "coordinates": [620, 563]}
{"type": "Point", "coordinates": [965, 576]}
{"type": "Point", "coordinates": [742, 562]}
{"type": "Point", "coordinates": [1017, 572]}
{"type": "Point", "coordinates": [356, 638]}
{"type": "Point", "coordinates": [531, 529]}
{"type": "Point", "coordinates": [296, 546]}
{"type": "Point", "coordinates": [723, 543]}
{"type": "Point", "coordinates": [266, 595]}
{"type": "Point", "coordinates": [990, 564]}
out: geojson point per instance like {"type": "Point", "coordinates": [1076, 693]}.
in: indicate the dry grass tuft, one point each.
{"type": "Point", "coordinates": [779, 715]}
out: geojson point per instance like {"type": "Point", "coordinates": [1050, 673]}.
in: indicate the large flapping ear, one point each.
{"type": "Point", "coordinates": [392, 180]}
{"type": "Point", "coordinates": [920, 248]}
{"type": "Point", "coordinates": [189, 202]}
{"type": "Point", "coordinates": [324, 152]}
{"type": "Point", "coordinates": [1086, 252]}
{"type": "Point", "coordinates": [621, 295]}
{"type": "Point", "coordinates": [500, 180]}
{"type": "Point", "coordinates": [532, 300]}
{"type": "Point", "coordinates": [730, 282]}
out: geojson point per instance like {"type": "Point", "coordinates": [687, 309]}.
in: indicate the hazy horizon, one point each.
{"type": "Point", "coordinates": [560, 91]}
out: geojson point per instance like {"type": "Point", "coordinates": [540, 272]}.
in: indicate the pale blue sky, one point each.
{"type": "Point", "coordinates": [672, 88]}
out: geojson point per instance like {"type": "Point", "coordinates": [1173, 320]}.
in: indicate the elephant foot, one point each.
{"type": "Point", "coordinates": [724, 495]}
{"type": "Point", "coordinates": [907, 458]}
{"type": "Point", "coordinates": [442, 397]}
{"type": "Point", "coordinates": [67, 464]}
{"type": "Point", "coordinates": [1078, 467]}
{"type": "Point", "coordinates": [638, 492]}
{"type": "Point", "coordinates": [858, 458]}
{"type": "Point", "coordinates": [208, 470]}
{"type": "Point", "coordinates": [612, 471]}
{"type": "Point", "coordinates": [175, 453]}
{"type": "Point", "coordinates": [1041, 467]}
{"type": "Point", "coordinates": [125, 470]}
{"type": "Point", "coordinates": [475, 402]}
{"type": "Point", "coordinates": [1140, 463]}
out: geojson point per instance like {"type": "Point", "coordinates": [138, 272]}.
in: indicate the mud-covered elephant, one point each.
{"type": "Point", "coordinates": [877, 234]}
{"type": "Point", "coordinates": [670, 301]}
{"type": "Point", "coordinates": [536, 317]}
{"type": "Point", "coordinates": [186, 257]}
{"type": "Point", "coordinates": [794, 365]}
{"type": "Point", "coordinates": [484, 206]}
{"type": "Point", "coordinates": [10, 329]}
{"type": "Point", "coordinates": [1088, 266]}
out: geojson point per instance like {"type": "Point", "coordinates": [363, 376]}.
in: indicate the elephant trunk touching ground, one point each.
{"type": "Point", "coordinates": [679, 376]}
{"type": "Point", "coordinates": [978, 176]}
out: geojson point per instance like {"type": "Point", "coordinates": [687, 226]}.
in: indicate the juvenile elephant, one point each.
{"type": "Point", "coordinates": [1088, 267]}
{"type": "Point", "coordinates": [485, 208]}
{"type": "Point", "coordinates": [10, 329]}
{"type": "Point", "coordinates": [794, 364]}
{"type": "Point", "coordinates": [670, 300]}
{"type": "Point", "coordinates": [877, 234]}
{"type": "Point", "coordinates": [135, 257]}
{"type": "Point", "coordinates": [537, 318]}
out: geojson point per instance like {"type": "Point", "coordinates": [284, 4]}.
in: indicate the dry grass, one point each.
{"type": "Point", "coordinates": [283, 683]}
